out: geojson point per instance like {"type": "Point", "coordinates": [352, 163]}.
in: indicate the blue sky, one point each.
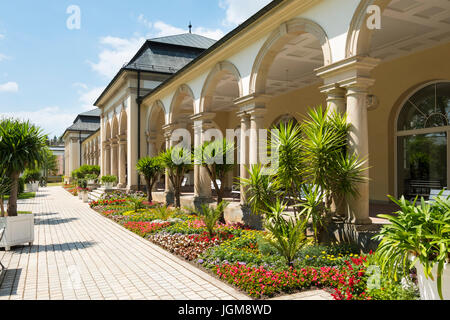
{"type": "Point", "coordinates": [49, 74]}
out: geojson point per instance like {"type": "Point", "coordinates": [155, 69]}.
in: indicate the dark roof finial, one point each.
{"type": "Point", "coordinates": [190, 27]}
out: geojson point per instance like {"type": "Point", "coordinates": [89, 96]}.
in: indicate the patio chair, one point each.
{"type": "Point", "coordinates": [2, 231]}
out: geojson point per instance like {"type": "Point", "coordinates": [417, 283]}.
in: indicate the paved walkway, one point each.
{"type": "Point", "coordinates": [78, 254]}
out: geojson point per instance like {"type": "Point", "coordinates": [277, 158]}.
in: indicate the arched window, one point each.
{"type": "Point", "coordinates": [422, 141]}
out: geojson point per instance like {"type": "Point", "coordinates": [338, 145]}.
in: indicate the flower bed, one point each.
{"type": "Point", "coordinates": [144, 228]}
{"type": "Point", "coordinates": [243, 258]}
{"type": "Point", "coordinates": [258, 282]}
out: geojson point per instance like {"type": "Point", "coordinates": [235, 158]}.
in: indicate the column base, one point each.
{"type": "Point", "coordinates": [170, 197]}
{"type": "Point", "coordinates": [340, 231]}
{"type": "Point", "coordinates": [199, 201]}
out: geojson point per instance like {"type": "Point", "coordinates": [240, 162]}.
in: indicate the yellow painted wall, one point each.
{"type": "Point", "coordinates": [395, 80]}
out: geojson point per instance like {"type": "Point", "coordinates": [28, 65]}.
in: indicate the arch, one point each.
{"type": "Point", "coordinates": [213, 80]}
{"type": "Point", "coordinates": [285, 118]}
{"type": "Point", "coordinates": [282, 35]}
{"type": "Point", "coordinates": [359, 37]}
{"type": "Point", "coordinates": [182, 92]}
{"type": "Point", "coordinates": [123, 117]}
{"type": "Point", "coordinates": [404, 137]}
{"type": "Point", "coordinates": [108, 131]}
{"type": "Point", "coordinates": [153, 112]}
{"type": "Point", "coordinates": [115, 127]}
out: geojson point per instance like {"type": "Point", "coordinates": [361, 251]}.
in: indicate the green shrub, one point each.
{"type": "Point", "coordinates": [31, 176]}
{"type": "Point", "coordinates": [109, 179]}
{"type": "Point", "coordinates": [210, 216]}
{"type": "Point", "coordinates": [285, 234]}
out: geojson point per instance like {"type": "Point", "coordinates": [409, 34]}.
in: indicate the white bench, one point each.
{"type": "Point", "coordinates": [2, 232]}
{"type": "Point", "coordinates": [434, 194]}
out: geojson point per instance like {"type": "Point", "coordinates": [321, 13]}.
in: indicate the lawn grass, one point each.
{"type": "Point", "coordinates": [24, 196]}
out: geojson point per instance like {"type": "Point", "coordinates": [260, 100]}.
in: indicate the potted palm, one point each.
{"type": "Point", "coordinates": [32, 178]}
{"type": "Point", "coordinates": [83, 190]}
{"type": "Point", "coordinates": [22, 146]}
{"type": "Point", "coordinates": [419, 236]}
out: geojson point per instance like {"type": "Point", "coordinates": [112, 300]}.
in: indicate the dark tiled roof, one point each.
{"type": "Point", "coordinates": [187, 40]}
{"type": "Point", "coordinates": [169, 54]}
{"type": "Point", "coordinates": [87, 122]}
{"type": "Point", "coordinates": [84, 126]}
{"type": "Point", "coordinates": [92, 113]}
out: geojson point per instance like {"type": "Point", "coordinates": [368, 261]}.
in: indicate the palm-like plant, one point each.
{"type": "Point", "coordinates": [261, 189]}
{"type": "Point", "coordinates": [150, 168]}
{"type": "Point", "coordinates": [327, 161]}
{"type": "Point", "coordinates": [285, 234]}
{"type": "Point", "coordinates": [178, 162]}
{"type": "Point", "coordinates": [286, 143]}
{"type": "Point", "coordinates": [22, 146]}
{"type": "Point", "coordinates": [210, 216]}
{"type": "Point", "coordinates": [215, 157]}
{"type": "Point", "coordinates": [421, 232]}
{"type": "Point", "coordinates": [312, 205]}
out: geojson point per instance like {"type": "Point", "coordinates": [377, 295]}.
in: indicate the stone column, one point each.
{"type": "Point", "coordinates": [114, 157]}
{"type": "Point", "coordinates": [357, 91]}
{"type": "Point", "coordinates": [168, 190]}
{"type": "Point", "coordinates": [244, 150]}
{"type": "Point", "coordinates": [107, 158]}
{"type": "Point", "coordinates": [336, 99]}
{"type": "Point", "coordinates": [122, 161]}
{"type": "Point", "coordinates": [151, 144]}
{"type": "Point", "coordinates": [354, 75]}
{"type": "Point", "coordinates": [257, 141]}
{"type": "Point", "coordinates": [202, 180]}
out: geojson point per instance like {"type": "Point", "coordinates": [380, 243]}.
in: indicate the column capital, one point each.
{"type": "Point", "coordinates": [114, 142]}
{"type": "Point", "coordinates": [252, 100]}
{"type": "Point", "coordinates": [203, 116]}
{"type": "Point", "coordinates": [347, 70]}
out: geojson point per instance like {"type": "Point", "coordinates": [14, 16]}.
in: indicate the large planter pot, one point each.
{"type": "Point", "coordinates": [108, 185]}
{"type": "Point", "coordinates": [29, 187]}
{"type": "Point", "coordinates": [85, 196]}
{"type": "Point", "coordinates": [35, 186]}
{"type": "Point", "coordinates": [91, 182]}
{"type": "Point", "coordinates": [19, 230]}
{"type": "Point", "coordinates": [428, 287]}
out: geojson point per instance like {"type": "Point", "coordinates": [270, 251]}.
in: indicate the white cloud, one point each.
{"type": "Point", "coordinates": [115, 53]}
{"type": "Point", "coordinates": [237, 11]}
{"type": "Point", "coordinates": [3, 57]}
{"type": "Point", "coordinates": [52, 120]}
{"type": "Point", "coordinates": [144, 21]}
{"type": "Point", "coordinates": [9, 87]}
{"type": "Point", "coordinates": [80, 85]}
{"type": "Point", "coordinates": [2, 36]}
{"type": "Point", "coordinates": [88, 98]}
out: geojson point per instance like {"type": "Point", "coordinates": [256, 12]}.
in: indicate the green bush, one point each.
{"type": "Point", "coordinates": [30, 176]}
{"type": "Point", "coordinates": [109, 179]}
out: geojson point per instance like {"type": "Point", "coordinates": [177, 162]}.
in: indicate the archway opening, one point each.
{"type": "Point", "coordinates": [422, 135]}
